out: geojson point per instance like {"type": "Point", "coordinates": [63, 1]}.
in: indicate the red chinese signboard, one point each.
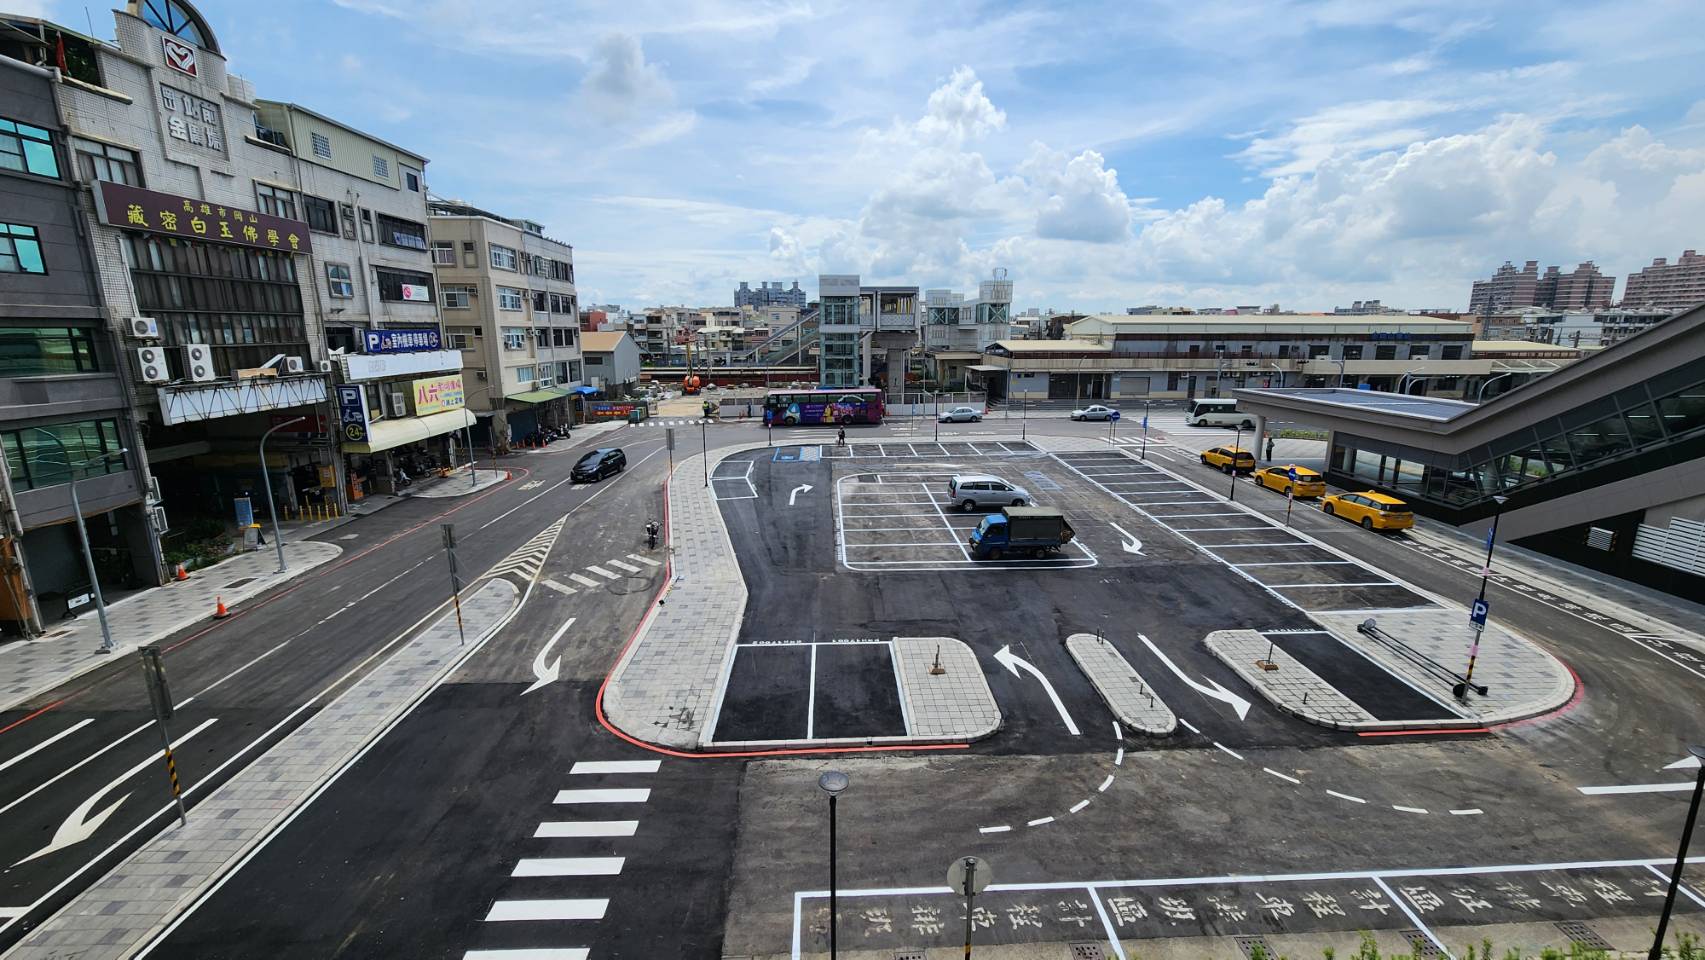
{"type": "Point", "coordinates": [132, 208]}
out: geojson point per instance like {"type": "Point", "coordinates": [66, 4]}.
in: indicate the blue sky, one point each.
{"type": "Point", "coordinates": [1202, 153]}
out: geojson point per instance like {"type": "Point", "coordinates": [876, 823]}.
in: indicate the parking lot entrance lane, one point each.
{"type": "Point", "coordinates": [1363, 681]}
{"type": "Point", "coordinates": [768, 695]}
{"type": "Point", "coordinates": [857, 695]}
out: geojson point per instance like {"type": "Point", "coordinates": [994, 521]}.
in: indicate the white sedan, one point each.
{"type": "Point", "coordinates": [1094, 411]}
{"type": "Point", "coordinates": [960, 415]}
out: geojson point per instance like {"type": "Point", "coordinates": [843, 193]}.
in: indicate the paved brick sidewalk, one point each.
{"type": "Point", "coordinates": [32, 667]}
{"type": "Point", "coordinates": [141, 896]}
{"type": "Point", "coordinates": [954, 705]}
{"type": "Point", "coordinates": [456, 484]}
{"type": "Point", "coordinates": [1131, 699]}
{"type": "Point", "coordinates": [1293, 688]}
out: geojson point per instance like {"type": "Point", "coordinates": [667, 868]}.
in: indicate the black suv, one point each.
{"type": "Point", "coordinates": [599, 464]}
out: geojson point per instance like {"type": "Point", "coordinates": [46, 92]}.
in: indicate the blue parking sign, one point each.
{"type": "Point", "coordinates": [1293, 473]}
{"type": "Point", "coordinates": [1477, 614]}
{"type": "Point", "coordinates": [1113, 416]}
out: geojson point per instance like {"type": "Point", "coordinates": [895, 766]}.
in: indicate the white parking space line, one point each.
{"type": "Point", "coordinates": [1245, 546]}
{"type": "Point", "coordinates": [530, 953]}
{"type": "Point", "coordinates": [575, 829]}
{"type": "Point", "coordinates": [1218, 529]}
{"type": "Point", "coordinates": [504, 910]}
{"type": "Point", "coordinates": [615, 766]}
{"type": "Point", "coordinates": [962, 551]}
{"type": "Point", "coordinates": [622, 566]}
{"type": "Point", "coordinates": [600, 571]}
{"type": "Point", "coordinates": [1294, 563]}
{"type": "Point", "coordinates": [568, 867]}
{"type": "Point", "coordinates": [584, 581]}
{"type": "Point", "coordinates": [645, 560]}
{"type": "Point", "coordinates": [1296, 586]}
{"type": "Point", "coordinates": [1637, 788]}
{"type": "Point", "coordinates": [612, 795]}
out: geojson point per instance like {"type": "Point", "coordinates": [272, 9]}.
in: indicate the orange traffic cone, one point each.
{"type": "Point", "coordinates": [219, 611]}
{"type": "Point", "coordinates": [182, 574]}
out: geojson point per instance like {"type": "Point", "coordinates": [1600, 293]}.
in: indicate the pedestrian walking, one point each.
{"type": "Point", "coordinates": [840, 436]}
{"type": "Point", "coordinates": [1269, 448]}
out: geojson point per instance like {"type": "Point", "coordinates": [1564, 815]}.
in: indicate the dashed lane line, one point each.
{"type": "Point", "coordinates": [1080, 804]}
{"type": "Point", "coordinates": [1229, 751]}
{"type": "Point", "coordinates": [1039, 821]}
{"type": "Point", "coordinates": [1105, 784]}
{"type": "Point", "coordinates": [1003, 828]}
{"type": "Point", "coordinates": [1285, 777]}
{"type": "Point", "coordinates": [1397, 806]}
{"type": "Point", "coordinates": [1345, 796]}
{"type": "Point", "coordinates": [1470, 812]}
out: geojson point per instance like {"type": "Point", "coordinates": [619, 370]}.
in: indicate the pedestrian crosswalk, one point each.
{"type": "Point", "coordinates": [637, 567]}
{"type": "Point", "coordinates": [549, 900]}
{"type": "Point", "coordinates": [673, 422]}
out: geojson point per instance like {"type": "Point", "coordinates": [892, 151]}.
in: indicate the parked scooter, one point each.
{"type": "Point", "coordinates": [651, 531]}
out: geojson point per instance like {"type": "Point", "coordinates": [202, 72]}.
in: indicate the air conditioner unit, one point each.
{"type": "Point", "coordinates": [157, 516]}
{"type": "Point", "coordinates": [480, 375]}
{"type": "Point", "coordinates": [326, 366]}
{"type": "Point", "coordinates": [198, 362]}
{"type": "Point", "coordinates": [399, 404]}
{"type": "Point", "coordinates": [153, 488]}
{"type": "Point", "coordinates": [151, 364]}
{"type": "Point", "coordinates": [293, 365]}
{"type": "Point", "coordinates": [544, 382]}
{"type": "Point", "coordinates": [144, 328]}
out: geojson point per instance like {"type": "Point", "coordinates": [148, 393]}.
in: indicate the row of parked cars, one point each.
{"type": "Point", "coordinates": [1369, 508]}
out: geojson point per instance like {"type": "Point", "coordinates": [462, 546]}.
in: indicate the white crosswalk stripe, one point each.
{"type": "Point", "coordinates": [584, 581]}
{"type": "Point", "coordinates": [645, 560]}
{"type": "Point", "coordinates": [622, 566]}
{"type": "Point", "coordinates": [600, 571]}
{"type": "Point", "coordinates": [605, 795]}
{"type": "Point", "coordinates": [561, 588]}
{"type": "Point", "coordinates": [615, 766]}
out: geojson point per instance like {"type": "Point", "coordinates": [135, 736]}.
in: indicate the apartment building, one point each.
{"type": "Point", "coordinates": [1599, 328]}
{"type": "Point", "coordinates": [770, 294]}
{"type": "Point", "coordinates": [510, 307]}
{"type": "Point", "coordinates": [1667, 286]}
{"type": "Point", "coordinates": [1510, 290]}
{"type": "Point", "coordinates": [65, 406]}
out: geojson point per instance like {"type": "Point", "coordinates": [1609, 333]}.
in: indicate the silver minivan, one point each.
{"type": "Point", "coordinates": [981, 491]}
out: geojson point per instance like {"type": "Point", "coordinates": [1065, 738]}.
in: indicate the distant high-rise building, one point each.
{"type": "Point", "coordinates": [1509, 289]}
{"type": "Point", "coordinates": [1667, 286]}
{"type": "Point", "coordinates": [769, 295]}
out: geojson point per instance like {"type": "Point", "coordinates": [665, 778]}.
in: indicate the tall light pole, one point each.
{"type": "Point", "coordinates": [1340, 364]}
{"type": "Point", "coordinates": [832, 782]}
{"type": "Point", "coordinates": [266, 481]}
{"type": "Point", "coordinates": [1485, 574]}
{"type": "Point", "coordinates": [1219, 371]}
{"type": "Point", "coordinates": [83, 531]}
{"type": "Point", "coordinates": [1279, 370]}
{"type": "Point", "coordinates": [1681, 855]}
{"type": "Point", "coordinates": [1236, 445]}
{"type": "Point", "coordinates": [1145, 454]}
{"type": "Point", "coordinates": [1480, 395]}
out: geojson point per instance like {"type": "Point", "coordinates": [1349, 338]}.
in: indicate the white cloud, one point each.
{"type": "Point", "coordinates": [1084, 201]}
{"type": "Point", "coordinates": [619, 84]}
{"type": "Point", "coordinates": [792, 71]}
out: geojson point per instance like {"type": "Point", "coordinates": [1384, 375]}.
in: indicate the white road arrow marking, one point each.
{"type": "Point", "coordinates": [541, 671]}
{"type": "Point", "coordinates": [1683, 763]}
{"type": "Point", "coordinates": [1012, 662]}
{"type": "Point", "coordinates": [1131, 543]}
{"type": "Point", "coordinates": [802, 488]}
{"type": "Point", "coordinates": [80, 825]}
{"type": "Point", "coordinates": [1209, 689]}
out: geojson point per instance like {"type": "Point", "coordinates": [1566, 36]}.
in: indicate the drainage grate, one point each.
{"type": "Point", "coordinates": [1422, 944]}
{"type": "Point", "coordinates": [234, 584]}
{"type": "Point", "coordinates": [1580, 933]}
{"type": "Point", "coordinates": [1249, 946]}
{"type": "Point", "coordinates": [909, 954]}
{"type": "Point", "coordinates": [1087, 951]}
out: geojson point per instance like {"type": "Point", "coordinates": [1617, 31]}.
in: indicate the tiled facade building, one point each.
{"type": "Point", "coordinates": [1510, 290]}
{"type": "Point", "coordinates": [1667, 286]}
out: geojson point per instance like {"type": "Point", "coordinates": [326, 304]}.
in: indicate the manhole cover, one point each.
{"type": "Point", "coordinates": [1255, 948]}
{"type": "Point", "coordinates": [1580, 933]}
{"type": "Point", "coordinates": [234, 584]}
{"type": "Point", "coordinates": [1087, 951]}
{"type": "Point", "coordinates": [1423, 945]}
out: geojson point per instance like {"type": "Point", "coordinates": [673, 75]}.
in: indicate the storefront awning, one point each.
{"type": "Point", "coordinates": [986, 368]}
{"type": "Point", "coordinates": [583, 390]}
{"type": "Point", "coordinates": [394, 433]}
{"type": "Point", "coordinates": [537, 396]}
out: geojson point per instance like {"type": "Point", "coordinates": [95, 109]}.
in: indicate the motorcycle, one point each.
{"type": "Point", "coordinates": [651, 531]}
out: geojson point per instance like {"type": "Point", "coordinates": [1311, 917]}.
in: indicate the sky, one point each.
{"type": "Point", "coordinates": [1204, 153]}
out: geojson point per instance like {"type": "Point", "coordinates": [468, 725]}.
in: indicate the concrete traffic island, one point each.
{"type": "Point", "coordinates": [1130, 698]}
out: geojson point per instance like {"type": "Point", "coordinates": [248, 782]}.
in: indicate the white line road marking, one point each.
{"type": "Point", "coordinates": [1293, 586]}
{"type": "Point", "coordinates": [600, 571]}
{"type": "Point", "coordinates": [561, 588]}
{"type": "Point", "coordinates": [1470, 812]}
{"type": "Point", "coordinates": [1039, 821]}
{"type": "Point", "coordinates": [1244, 546]}
{"type": "Point", "coordinates": [50, 741]}
{"type": "Point", "coordinates": [1293, 563]}
{"type": "Point", "coordinates": [567, 829]}
{"type": "Point", "coordinates": [1696, 898]}
{"type": "Point", "coordinates": [616, 795]}
{"type": "Point", "coordinates": [1402, 905]}
{"type": "Point", "coordinates": [1233, 753]}
{"type": "Point", "coordinates": [1003, 828]}
{"type": "Point", "coordinates": [584, 581]}
{"type": "Point", "coordinates": [1118, 731]}
{"type": "Point", "coordinates": [504, 910]}
{"type": "Point", "coordinates": [1105, 784]}
{"type": "Point", "coordinates": [1637, 788]}
{"type": "Point", "coordinates": [1080, 804]}
{"type": "Point", "coordinates": [615, 766]}
{"type": "Point", "coordinates": [1119, 758]}
{"type": "Point", "coordinates": [12, 913]}
{"type": "Point", "coordinates": [622, 566]}
{"type": "Point", "coordinates": [1188, 725]}
{"type": "Point", "coordinates": [1012, 662]}
{"type": "Point", "coordinates": [1408, 809]}
{"type": "Point", "coordinates": [645, 560]}
{"type": "Point", "coordinates": [568, 867]}
{"type": "Point", "coordinates": [1288, 779]}
{"type": "Point", "coordinates": [1345, 796]}
{"type": "Point", "coordinates": [530, 953]}
{"type": "Point", "coordinates": [811, 697]}
{"type": "Point", "coordinates": [543, 672]}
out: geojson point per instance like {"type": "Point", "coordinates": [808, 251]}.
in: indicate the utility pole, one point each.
{"type": "Point", "coordinates": [83, 532]}
{"type": "Point", "coordinates": [455, 580]}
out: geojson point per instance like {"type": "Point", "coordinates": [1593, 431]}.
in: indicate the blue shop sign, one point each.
{"type": "Point", "coordinates": [401, 341]}
{"type": "Point", "coordinates": [352, 412]}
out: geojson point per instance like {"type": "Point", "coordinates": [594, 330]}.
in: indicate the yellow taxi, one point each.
{"type": "Point", "coordinates": [1374, 511]}
{"type": "Point", "coordinates": [1229, 459]}
{"type": "Point", "coordinates": [1309, 483]}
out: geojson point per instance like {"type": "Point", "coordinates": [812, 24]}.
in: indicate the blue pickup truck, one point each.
{"type": "Point", "coordinates": [1020, 531]}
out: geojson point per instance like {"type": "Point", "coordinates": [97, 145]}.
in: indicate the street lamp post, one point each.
{"type": "Point", "coordinates": [832, 782]}
{"type": "Point", "coordinates": [1485, 574]}
{"type": "Point", "coordinates": [1480, 395]}
{"type": "Point", "coordinates": [83, 533]}
{"type": "Point", "coordinates": [1340, 364]}
{"type": "Point", "coordinates": [1681, 855]}
{"type": "Point", "coordinates": [266, 481]}
{"type": "Point", "coordinates": [1279, 370]}
{"type": "Point", "coordinates": [1145, 454]}
{"type": "Point", "coordinates": [1236, 445]}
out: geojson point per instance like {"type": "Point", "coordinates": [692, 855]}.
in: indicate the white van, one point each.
{"type": "Point", "coordinates": [1217, 413]}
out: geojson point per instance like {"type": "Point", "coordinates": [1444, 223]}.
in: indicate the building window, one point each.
{"type": "Point", "coordinates": [246, 304]}
{"type": "Point", "coordinates": [404, 286]}
{"type": "Point", "coordinates": [1352, 351]}
{"type": "Point", "coordinates": [1451, 352]}
{"type": "Point", "coordinates": [44, 351]}
{"type": "Point", "coordinates": [322, 215]}
{"type": "Point", "coordinates": [542, 336]}
{"type": "Point", "coordinates": [443, 253]}
{"type": "Point", "coordinates": [338, 282]}
{"type": "Point", "coordinates": [563, 337]}
{"type": "Point", "coordinates": [502, 258]}
{"type": "Point", "coordinates": [540, 302]}
{"type": "Point", "coordinates": [1420, 351]}
{"type": "Point", "coordinates": [526, 374]}
{"type": "Point", "coordinates": [322, 145]}
{"type": "Point", "coordinates": [1318, 350]}
{"type": "Point", "coordinates": [573, 374]}
{"type": "Point", "coordinates": [1385, 351]}
{"type": "Point", "coordinates": [346, 213]}
{"type": "Point", "coordinates": [470, 255]}
{"type": "Point", "coordinates": [411, 179]}
{"type": "Point", "coordinates": [509, 298]}
{"type": "Point", "coordinates": [381, 168]}
{"type": "Point", "coordinates": [101, 161]}
{"type": "Point", "coordinates": [397, 232]}
{"type": "Point", "coordinates": [541, 266]}
{"type": "Point", "coordinates": [366, 224]}
{"type": "Point", "coordinates": [1284, 351]}
{"type": "Point", "coordinates": [462, 338]}
{"type": "Point", "coordinates": [27, 149]}
{"type": "Point", "coordinates": [514, 338]}
{"type": "Point", "coordinates": [37, 461]}
{"type": "Point", "coordinates": [276, 200]}
{"type": "Point", "coordinates": [20, 249]}
{"type": "Point", "coordinates": [457, 296]}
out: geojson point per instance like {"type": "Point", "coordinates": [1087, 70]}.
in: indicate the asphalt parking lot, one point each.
{"type": "Point", "coordinates": [823, 691]}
